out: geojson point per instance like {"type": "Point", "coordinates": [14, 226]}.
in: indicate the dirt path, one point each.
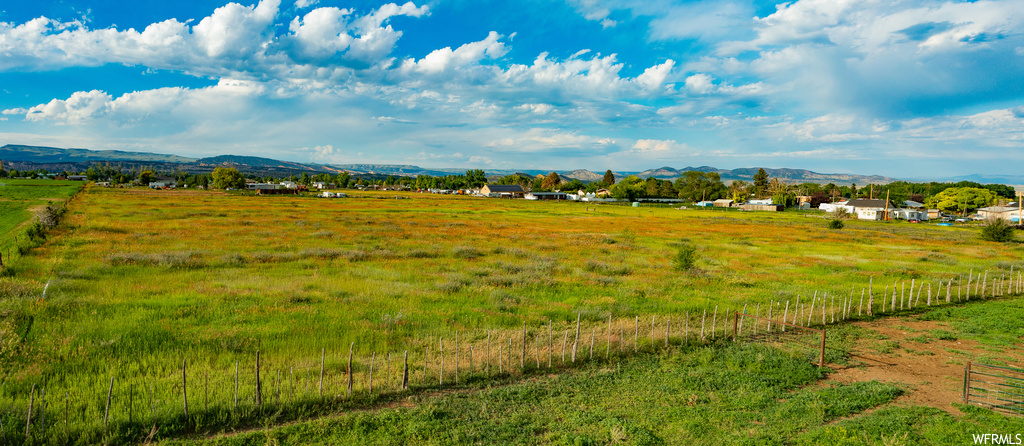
{"type": "Point", "coordinates": [908, 352]}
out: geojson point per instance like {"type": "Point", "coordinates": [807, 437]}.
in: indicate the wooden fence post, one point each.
{"type": "Point", "coordinates": [714, 324]}
{"type": "Point", "coordinates": [871, 297]}
{"type": "Point", "coordinates": [702, 320]}
{"type": "Point", "coordinates": [565, 341]}
{"type": "Point", "coordinates": [608, 346]}
{"type": "Point", "coordinates": [550, 343]}
{"type": "Point", "coordinates": [735, 326]}
{"type": "Point", "coordinates": [893, 300]}
{"type": "Point", "coordinates": [405, 372]}
{"type": "Point", "coordinates": [351, 347]}
{"type": "Point", "coordinates": [522, 359]}
{"type": "Point", "coordinates": [785, 315]}
{"type": "Point", "coordinates": [668, 330]}
{"type": "Point", "coordinates": [576, 341]}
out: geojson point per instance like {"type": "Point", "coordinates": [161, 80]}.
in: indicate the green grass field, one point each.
{"type": "Point", "coordinates": [18, 201]}
{"type": "Point", "coordinates": [138, 281]}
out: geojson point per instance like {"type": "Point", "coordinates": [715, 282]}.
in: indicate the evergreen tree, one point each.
{"type": "Point", "coordinates": [760, 183]}
{"type": "Point", "coordinates": [609, 178]}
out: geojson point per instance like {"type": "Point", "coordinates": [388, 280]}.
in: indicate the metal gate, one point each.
{"type": "Point", "coordinates": [998, 388]}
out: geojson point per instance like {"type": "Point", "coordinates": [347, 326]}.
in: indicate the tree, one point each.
{"type": "Point", "coordinates": [695, 186]}
{"type": "Point", "coordinates": [551, 181]}
{"type": "Point", "coordinates": [146, 177]}
{"type": "Point", "coordinates": [574, 185]}
{"type": "Point", "coordinates": [225, 177]}
{"type": "Point", "coordinates": [476, 178]}
{"type": "Point", "coordinates": [760, 183]}
{"type": "Point", "coordinates": [780, 193]}
{"type": "Point", "coordinates": [609, 178]}
{"type": "Point", "coordinates": [630, 188]}
{"type": "Point", "coordinates": [961, 199]}
{"type": "Point", "coordinates": [342, 180]}
{"type": "Point", "coordinates": [738, 189]}
{"type": "Point", "coordinates": [3, 173]}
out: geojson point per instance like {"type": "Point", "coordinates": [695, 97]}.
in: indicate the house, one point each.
{"type": "Point", "coordinates": [723, 203]}
{"type": "Point", "coordinates": [77, 177]}
{"type": "Point", "coordinates": [704, 204]}
{"type": "Point", "coordinates": [870, 209]}
{"type": "Point", "coordinates": [934, 214]}
{"type": "Point", "coordinates": [831, 207]}
{"type": "Point", "coordinates": [913, 204]}
{"type": "Point", "coordinates": [547, 196]}
{"type": "Point", "coordinates": [503, 191]}
{"type": "Point", "coordinates": [910, 214]}
{"type": "Point", "coordinates": [161, 182]}
{"type": "Point", "coordinates": [1008, 213]}
{"type": "Point", "coordinates": [603, 193]}
{"type": "Point", "coordinates": [760, 201]}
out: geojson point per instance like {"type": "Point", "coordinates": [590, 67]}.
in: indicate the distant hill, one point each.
{"type": "Point", "coordinates": [583, 175]}
{"type": "Point", "coordinates": [36, 154]}
{"type": "Point", "coordinates": [25, 157]}
{"type": "Point", "coordinates": [255, 162]}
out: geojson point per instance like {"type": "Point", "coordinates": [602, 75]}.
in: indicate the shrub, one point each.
{"type": "Point", "coordinates": [997, 230]}
{"type": "Point", "coordinates": [835, 224]}
{"type": "Point", "coordinates": [686, 257]}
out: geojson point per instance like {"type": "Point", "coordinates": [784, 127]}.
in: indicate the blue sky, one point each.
{"type": "Point", "coordinates": [911, 89]}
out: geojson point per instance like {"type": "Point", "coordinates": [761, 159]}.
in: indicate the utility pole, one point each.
{"type": "Point", "coordinates": [886, 205]}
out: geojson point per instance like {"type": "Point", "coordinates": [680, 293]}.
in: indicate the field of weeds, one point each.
{"type": "Point", "coordinates": [139, 282]}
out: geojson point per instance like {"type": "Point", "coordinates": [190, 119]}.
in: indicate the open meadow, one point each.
{"type": "Point", "coordinates": [141, 284]}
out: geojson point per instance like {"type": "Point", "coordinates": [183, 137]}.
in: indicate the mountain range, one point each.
{"type": "Point", "coordinates": [24, 157]}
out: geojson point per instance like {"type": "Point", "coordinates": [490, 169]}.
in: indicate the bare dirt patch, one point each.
{"type": "Point", "coordinates": [908, 352]}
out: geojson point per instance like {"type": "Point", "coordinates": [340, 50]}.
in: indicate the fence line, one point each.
{"type": "Point", "coordinates": [340, 381]}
